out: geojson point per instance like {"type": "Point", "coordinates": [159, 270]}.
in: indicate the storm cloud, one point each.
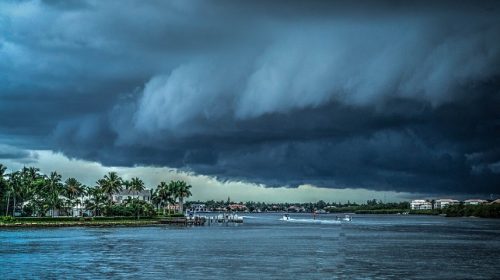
{"type": "Point", "coordinates": [383, 96]}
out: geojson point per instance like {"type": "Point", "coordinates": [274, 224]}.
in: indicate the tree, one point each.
{"type": "Point", "coordinates": [54, 189]}
{"type": "Point", "coordinates": [30, 185]}
{"type": "Point", "coordinates": [111, 183]}
{"type": "Point", "coordinates": [156, 199]}
{"type": "Point", "coordinates": [14, 189]}
{"type": "Point", "coordinates": [165, 194]}
{"type": "Point", "coordinates": [181, 190]}
{"type": "Point", "coordinates": [96, 200]}
{"type": "Point", "coordinates": [5, 186]}
{"type": "Point", "coordinates": [73, 190]}
{"type": "Point", "coordinates": [136, 185]}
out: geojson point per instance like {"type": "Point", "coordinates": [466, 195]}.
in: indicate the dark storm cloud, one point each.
{"type": "Point", "coordinates": [385, 96]}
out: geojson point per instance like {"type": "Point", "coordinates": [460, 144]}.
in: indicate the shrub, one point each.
{"type": "Point", "coordinates": [7, 219]}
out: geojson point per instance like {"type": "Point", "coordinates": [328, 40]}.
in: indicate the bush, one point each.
{"type": "Point", "coordinates": [7, 219]}
{"type": "Point", "coordinates": [48, 219]}
{"type": "Point", "coordinates": [482, 210]}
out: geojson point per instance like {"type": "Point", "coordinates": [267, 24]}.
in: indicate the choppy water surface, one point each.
{"type": "Point", "coordinates": [371, 246]}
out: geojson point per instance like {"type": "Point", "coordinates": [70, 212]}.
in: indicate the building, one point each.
{"type": "Point", "coordinates": [474, 201]}
{"type": "Point", "coordinates": [237, 207]}
{"type": "Point", "coordinates": [199, 207]}
{"type": "Point", "coordinates": [495, 201]}
{"type": "Point", "coordinates": [420, 204]}
{"type": "Point", "coordinates": [295, 209]}
{"type": "Point", "coordinates": [173, 207]}
{"type": "Point", "coordinates": [441, 203]}
{"type": "Point", "coordinates": [123, 195]}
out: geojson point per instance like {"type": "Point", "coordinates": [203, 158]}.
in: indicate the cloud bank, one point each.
{"type": "Point", "coordinates": [382, 96]}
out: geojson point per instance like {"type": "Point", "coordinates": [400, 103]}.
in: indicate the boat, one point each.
{"type": "Point", "coordinates": [347, 218]}
{"type": "Point", "coordinates": [286, 217]}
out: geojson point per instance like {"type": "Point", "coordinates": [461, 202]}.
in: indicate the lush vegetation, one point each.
{"type": "Point", "coordinates": [482, 210]}
{"type": "Point", "coordinates": [28, 192]}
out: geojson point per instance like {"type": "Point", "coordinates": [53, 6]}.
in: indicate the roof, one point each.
{"type": "Point", "coordinates": [446, 200]}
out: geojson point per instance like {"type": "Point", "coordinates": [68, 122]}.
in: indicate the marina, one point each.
{"type": "Point", "coordinates": [205, 219]}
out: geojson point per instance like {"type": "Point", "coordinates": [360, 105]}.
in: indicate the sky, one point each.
{"type": "Point", "coordinates": [258, 100]}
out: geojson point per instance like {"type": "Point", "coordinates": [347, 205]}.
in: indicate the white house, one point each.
{"type": "Point", "coordinates": [441, 203]}
{"type": "Point", "coordinates": [474, 201]}
{"type": "Point", "coordinates": [121, 196]}
{"type": "Point", "coordinates": [420, 204]}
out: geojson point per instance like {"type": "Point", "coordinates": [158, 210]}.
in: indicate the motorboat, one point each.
{"type": "Point", "coordinates": [347, 218]}
{"type": "Point", "coordinates": [286, 217]}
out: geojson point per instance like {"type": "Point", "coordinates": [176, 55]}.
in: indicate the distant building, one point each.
{"type": "Point", "coordinates": [237, 207]}
{"type": "Point", "coordinates": [420, 204]}
{"type": "Point", "coordinates": [474, 201]}
{"type": "Point", "coordinates": [495, 201]}
{"type": "Point", "coordinates": [173, 207]}
{"type": "Point", "coordinates": [123, 195]}
{"type": "Point", "coordinates": [199, 207]}
{"type": "Point", "coordinates": [441, 203]}
{"type": "Point", "coordinates": [294, 208]}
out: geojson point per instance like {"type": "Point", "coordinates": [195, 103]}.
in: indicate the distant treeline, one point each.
{"type": "Point", "coordinates": [482, 210]}
{"type": "Point", "coordinates": [485, 210]}
{"type": "Point", "coordinates": [332, 207]}
{"type": "Point", "coordinates": [373, 206]}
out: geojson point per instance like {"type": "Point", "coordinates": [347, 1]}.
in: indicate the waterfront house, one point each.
{"type": "Point", "coordinates": [173, 207]}
{"type": "Point", "coordinates": [495, 201]}
{"type": "Point", "coordinates": [441, 203]}
{"type": "Point", "coordinates": [121, 196]}
{"type": "Point", "coordinates": [420, 204]}
{"type": "Point", "coordinates": [295, 208]}
{"type": "Point", "coordinates": [237, 207]}
{"type": "Point", "coordinates": [474, 201]}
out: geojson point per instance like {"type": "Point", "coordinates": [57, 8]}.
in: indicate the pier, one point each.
{"type": "Point", "coordinates": [200, 220]}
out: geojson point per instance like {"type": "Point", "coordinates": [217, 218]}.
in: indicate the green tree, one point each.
{"type": "Point", "coordinates": [54, 189]}
{"type": "Point", "coordinates": [73, 190]}
{"type": "Point", "coordinates": [96, 200]}
{"type": "Point", "coordinates": [110, 184]}
{"type": "Point", "coordinates": [136, 185]}
{"type": "Point", "coordinates": [4, 186]}
{"type": "Point", "coordinates": [14, 189]}
{"type": "Point", "coordinates": [181, 190]}
{"type": "Point", "coordinates": [165, 194]}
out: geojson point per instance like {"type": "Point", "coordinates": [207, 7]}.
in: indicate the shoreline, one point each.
{"type": "Point", "coordinates": [111, 222]}
{"type": "Point", "coordinates": [79, 224]}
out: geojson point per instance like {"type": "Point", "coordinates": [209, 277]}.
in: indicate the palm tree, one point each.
{"type": "Point", "coordinates": [4, 185]}
{"type": "Point", "coordinates": [181, 190]}
{"type": "Point", "coordinates": [96, 199]}
{"type": "Point", "coordinates": [54, 188]}
{"type": "Point", "coordinates": [165, 194]}
{"type": "Point", "coordinates": [156, 200]}
{"type": "Point", "coordinates": [30, 184]}
{"type": "Point", "coordinates": [136, 185]}
{"type": "Point", "coordinates": [79, 200]}
{"type": "Point", "coordinates": [72, 189]}
{"type": "Point", "coordinates": [14, 189]}
{"type": "Point", "coordinates": [111, 183]}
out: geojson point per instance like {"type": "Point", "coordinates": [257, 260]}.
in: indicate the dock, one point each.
{"type": "Point", "coordinates": [200, 220]}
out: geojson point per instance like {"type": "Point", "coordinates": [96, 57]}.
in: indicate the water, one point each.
{"type": "Point", "coordinates": [370, 247]}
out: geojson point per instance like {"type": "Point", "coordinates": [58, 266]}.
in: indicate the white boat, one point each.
{"type": "Point", "coordinates": [286, 217]}
{"type": "Point", "coordinates": [347, 218]}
